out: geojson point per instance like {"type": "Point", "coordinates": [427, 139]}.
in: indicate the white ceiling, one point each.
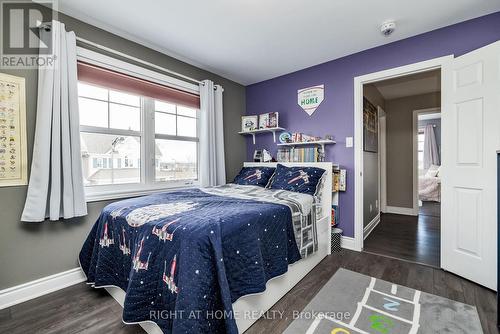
{"type": "Point", "coordinates": [415, 84]}
{"type": "Point", "coordinates": [253, 40]}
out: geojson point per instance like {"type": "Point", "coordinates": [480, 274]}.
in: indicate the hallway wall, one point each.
{"type": "Point", "coordinates": [400, 146]}
{"type": "Point", "coordinates": [370, 165]}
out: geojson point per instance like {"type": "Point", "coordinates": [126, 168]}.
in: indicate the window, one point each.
{"type": "Point", "coordinates": [175, 159]}
{"type": "Point", "coordinates": [122, 127]}
{"type": "Point", "coordinates": [106, 134]}
{"type": "Point", "coordinates": [420, 147]}
{"type": "Point", "coordinates": [96, 163]}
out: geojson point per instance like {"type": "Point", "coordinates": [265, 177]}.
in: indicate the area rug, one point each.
{"type": "Point", "coordinates": [352, 303]}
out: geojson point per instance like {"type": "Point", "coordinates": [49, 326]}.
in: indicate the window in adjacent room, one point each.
{"type": "Point", "coordinates": [420, 143]}
{"type": "Point", "coordinates": [136, 136]}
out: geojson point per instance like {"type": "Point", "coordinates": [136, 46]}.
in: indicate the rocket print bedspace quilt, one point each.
{"type": "Point", "coordinates": [184, 257]}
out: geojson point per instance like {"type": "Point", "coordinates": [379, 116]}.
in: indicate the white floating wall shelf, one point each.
{"type": "Point", "coordinates": [254, 132]}
{"type": "Point", "coordinates": [321, 143]}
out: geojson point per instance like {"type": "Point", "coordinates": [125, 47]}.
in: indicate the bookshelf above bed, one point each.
{"type": "Point", "coordinates": [321, 143]}
{"type": "Point", "coordinates": [311, 151]}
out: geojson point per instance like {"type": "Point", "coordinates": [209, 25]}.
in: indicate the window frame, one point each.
{"type": "Point", "coordinates": [148, 183]}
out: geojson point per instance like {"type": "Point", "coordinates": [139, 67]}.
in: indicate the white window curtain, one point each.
{"type": "Point", "coordinates": [212, 164]}
{"type": "Point", "coordinates": [56, 184]}
{"type": "Point", "coordinates": [431, 151]}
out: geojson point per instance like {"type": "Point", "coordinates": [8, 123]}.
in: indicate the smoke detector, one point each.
{"type": "Point", "coordinates": [387, 28]}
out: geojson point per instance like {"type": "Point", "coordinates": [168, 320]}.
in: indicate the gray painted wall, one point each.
{"type": "Point", "coordinates": [370, 165]}
{"type": "Point", "coordinates": [400, 145]}
{"type": "Point", "coordinates": [31, 250]}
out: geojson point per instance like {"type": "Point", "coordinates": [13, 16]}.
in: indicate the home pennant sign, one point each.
{"type": "Point", "coordinates": [310, 98]}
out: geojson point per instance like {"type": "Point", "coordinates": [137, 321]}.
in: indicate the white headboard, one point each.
{"type": "Point", "coordinates": [324, 226]}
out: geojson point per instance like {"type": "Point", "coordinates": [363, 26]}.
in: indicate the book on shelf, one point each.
{"type": "Point", "coordinates": [336, 179]}
{"type": "Point", "coordinates": [335, 215]}
{"type": "Point", "coordinates": [304, 154]}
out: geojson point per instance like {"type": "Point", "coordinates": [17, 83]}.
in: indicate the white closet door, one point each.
{"type": "Point", "coordinates": [470, 138]}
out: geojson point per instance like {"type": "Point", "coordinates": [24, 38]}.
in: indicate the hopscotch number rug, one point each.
{"type": "Point", "coordinates": [352, 303]}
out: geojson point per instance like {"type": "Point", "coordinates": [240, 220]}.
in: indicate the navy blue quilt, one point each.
{"type": "Point", "coordinates": [184, 257]}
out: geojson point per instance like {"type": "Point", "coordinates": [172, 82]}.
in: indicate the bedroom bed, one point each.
{"type": "Point", "coordinates": [429, 185]}
{"type": "Point", "coordinates": [225, 253]}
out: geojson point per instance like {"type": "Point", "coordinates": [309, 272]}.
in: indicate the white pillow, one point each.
{"type": "Point", "coordinates": [433, 171]}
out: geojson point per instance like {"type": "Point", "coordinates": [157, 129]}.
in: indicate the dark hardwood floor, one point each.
{"type": "Point", "coordinates": [76, 309]}
{"type": "Point", "coordinates": [430, 209]}
{"type": "Point", "coordinates": [410, 238]}
{"type": "Point", "coordinates": [81, 309]}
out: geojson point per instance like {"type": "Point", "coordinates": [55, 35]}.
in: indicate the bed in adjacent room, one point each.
{"type": "Point", "coordinates": [184, 258]}
{"type": "Point", "coordinates": [429, 185]}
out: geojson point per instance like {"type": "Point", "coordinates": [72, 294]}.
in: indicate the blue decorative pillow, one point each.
{"type": "Point", "coordinates": [254, 176]}
{"type": "Point", "coordinates": [299, 179]}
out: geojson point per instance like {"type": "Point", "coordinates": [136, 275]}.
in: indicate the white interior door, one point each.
{"type": "Point", "coordinates": [470, 137]}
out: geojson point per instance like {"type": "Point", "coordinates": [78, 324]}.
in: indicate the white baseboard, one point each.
{"type": "Point", "coordinates": [401, 211]}
{"type": "Point", "coordinates": [371, 226]}
{"type": "Point", "coordinates": [30, 290]}
{"type": "Point", "coordinates": [348, 243]}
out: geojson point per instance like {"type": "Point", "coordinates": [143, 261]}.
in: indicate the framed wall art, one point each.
{"type": "Point", "coordinates": [273, 119]}
{"type": "Point", "coordinates": [263, 121]}
{"type": "Point", "coordinates": [370, 127]}
{"type": "Point", "coordinates": [310, 98]}
{"type": "Point", "coordinates": [13, 150]}
{"type": "Point", "coordinates": [268, 120]}
{"type": "Point", "coordinates": [249, 123]}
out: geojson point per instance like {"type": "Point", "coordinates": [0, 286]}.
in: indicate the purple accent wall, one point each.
{"type": "Point", "coordinates": [335, 115]}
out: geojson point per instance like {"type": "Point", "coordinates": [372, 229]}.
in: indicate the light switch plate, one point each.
{"type": "Point", "coordinates": [348, 141]}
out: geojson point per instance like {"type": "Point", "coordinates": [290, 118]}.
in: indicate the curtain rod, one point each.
{"type": "Point", "coordinates": [48, 26]}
